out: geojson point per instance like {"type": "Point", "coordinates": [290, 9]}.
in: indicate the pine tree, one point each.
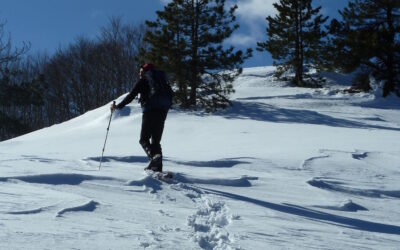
{"type": "Point", "coordinates": [295, 38]}
{"type": "Point", "coordinates": [367, 37]}
{"type": "Point", "coordinates": [186, 40]}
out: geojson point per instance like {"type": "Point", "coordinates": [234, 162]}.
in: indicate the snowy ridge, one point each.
{"type": "Point", "coordinates": [283, 168]}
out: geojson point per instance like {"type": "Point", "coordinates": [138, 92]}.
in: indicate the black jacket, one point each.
{"type": "Point", "coordinates": [140, 87]}
{"type": "Point", "coordinates": [150, 98]}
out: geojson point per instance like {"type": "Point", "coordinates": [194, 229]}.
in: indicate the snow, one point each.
{"type": "Point", "coordinates": [284, 168]}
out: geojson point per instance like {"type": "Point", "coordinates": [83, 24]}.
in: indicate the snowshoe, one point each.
{"type": "Point", "coordinates": [162, 176]}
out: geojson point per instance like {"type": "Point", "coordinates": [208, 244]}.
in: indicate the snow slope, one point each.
{"type": "Point", "coordinates": [284, 168]}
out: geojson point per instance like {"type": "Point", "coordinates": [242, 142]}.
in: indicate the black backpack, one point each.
{"type": "Point", "coordinates": [160, 93]}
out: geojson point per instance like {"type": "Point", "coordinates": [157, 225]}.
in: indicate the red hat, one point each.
{"type": "Point", "coordinates": [147, 66]}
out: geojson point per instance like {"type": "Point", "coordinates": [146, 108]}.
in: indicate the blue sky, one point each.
{"type": "Point", "coordinates": [49, 24]}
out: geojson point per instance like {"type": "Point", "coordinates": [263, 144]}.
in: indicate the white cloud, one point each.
{"type": "Point", "coordinates": [251, 16]}
{"type": "Point", "coordinates": [252, 10]}
{"type": "Point", "coordinates": [249, 9]}
{"type": "Point", "coordinates": [165, 2]}
{"type": "Point", "coordinates": [241, 40]}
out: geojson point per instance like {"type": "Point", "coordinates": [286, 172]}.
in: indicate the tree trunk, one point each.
{"type": "Point", "coordinates": [194, 73]}
{"type": "Point", "coordinates": [390, 83]}
{"type": "Point", "coordinates": [301, 63]}
{"type": "Point", "coordinates": [299, 72]}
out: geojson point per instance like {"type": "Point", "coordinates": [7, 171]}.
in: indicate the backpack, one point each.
{"type": "Point", "coordinates": [160, 93]}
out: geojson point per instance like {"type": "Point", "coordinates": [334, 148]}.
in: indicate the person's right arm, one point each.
{"type": "Point", "coordinates": [132, 94]}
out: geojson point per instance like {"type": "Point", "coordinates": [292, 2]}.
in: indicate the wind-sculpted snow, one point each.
{"type": "Point", "coordinates": [56, 179]}
{"type": "Point", "coordinates": [32, 158]}
{"type": "Point", "coordinates": [147, 182]}
{"type": "Point", "coordinates": [33, 211]}
{"type": "Point", "coordinates": [221, 163]}
{"type": "Point", "coordinates": [336, 171]}
{"type": "Point", "coordinates": [259, 111]}
{"type": "Point", "coordinates": [26, 199]}
{"type": "Point", "coordinates": [348, 206]}
{"type": "Point", "coordinates": [360, 156]}
{"type": "Point", "coordinates": [89, 206]}
{"type": "Point", "coordinates": [313, 214]}
{"type": "Point", "coordinates": [156, 185]}
{"type": "Point", "coordinates": [243, 181]}
{"type": "Point", "coordinates": [283, 168]}
{"type": "Point", "coordinates": [123, 159]}
{"type": "Point", "coordinates": [339, 187]}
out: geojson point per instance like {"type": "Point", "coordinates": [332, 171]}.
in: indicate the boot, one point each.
{"type": "Point", "coordinates": [155, 164]}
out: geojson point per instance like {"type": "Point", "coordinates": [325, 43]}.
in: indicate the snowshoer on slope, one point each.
{"type": "Point", "coordinates": [155, 99]}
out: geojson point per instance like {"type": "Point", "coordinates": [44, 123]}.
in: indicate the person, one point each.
{"type": "Point", "coordinates": [156, 100]}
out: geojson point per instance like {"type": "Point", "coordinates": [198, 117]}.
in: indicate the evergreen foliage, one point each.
{"type": "Point", "coordinates": [186, 41]}
{"type": "Point", "coordinates": [367, 37]}
{"type": "Point", "coordinates": [295, 38]}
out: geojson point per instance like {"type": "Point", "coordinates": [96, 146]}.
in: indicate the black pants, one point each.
{"type": "Point", "coordinates": [152, 130]}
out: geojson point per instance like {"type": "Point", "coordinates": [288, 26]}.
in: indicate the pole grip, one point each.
{"type": "Point", "coordinates": [112, 110]}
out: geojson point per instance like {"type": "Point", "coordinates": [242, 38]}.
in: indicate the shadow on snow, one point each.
{"type": "Point", "coordinates": [243, 181]}
{"type": "Point", "coordinates": [56, 179]}
{"type": "Point", "coordinates": [155, 185]}
{"type": "Point", "coordinates": [125, 159]}
{"type": "Point", "coordinates": [221, 163]}
{"type": "Point", "coordinates": [269, 113]}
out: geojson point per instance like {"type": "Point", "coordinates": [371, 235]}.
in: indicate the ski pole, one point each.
{"type": "Point", "coordinates": [108, 128]}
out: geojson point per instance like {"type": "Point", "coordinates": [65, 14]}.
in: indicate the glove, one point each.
{"type": "Point", "coordinates": [113, 107]}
